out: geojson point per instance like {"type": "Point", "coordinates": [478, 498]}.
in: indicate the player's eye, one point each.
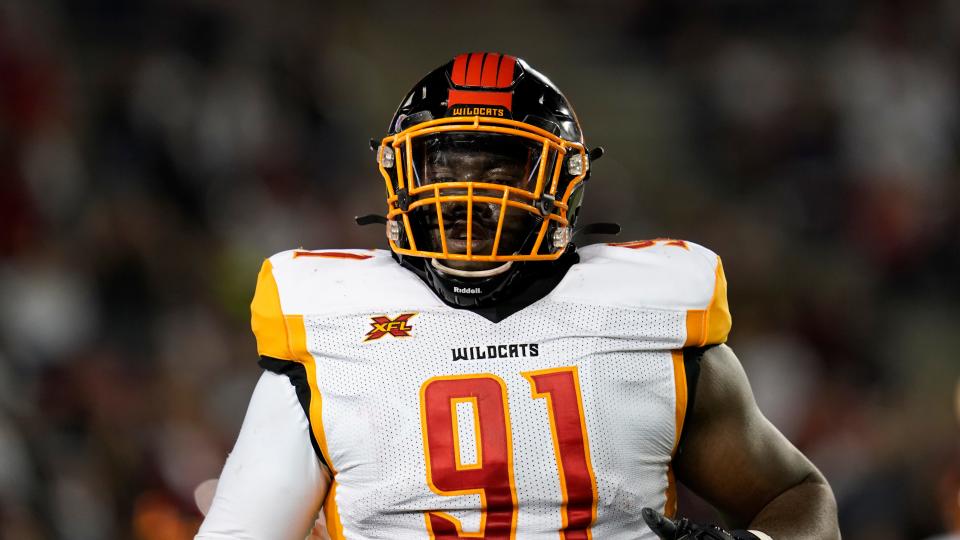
{"type": "Point", "coordinates": [498, 176]}
{"type": "Point", "coordinates": [435, 175]}
{"type": "Point", "coordinates": [502, 175]}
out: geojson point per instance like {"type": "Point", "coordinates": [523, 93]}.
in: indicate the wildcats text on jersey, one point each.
{"type": "Point", "coordinates": [494, 352]}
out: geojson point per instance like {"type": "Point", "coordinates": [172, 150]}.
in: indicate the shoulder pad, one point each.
{"type": "Point", "coordinates": [275, 323]}
{"type": "Point", "coordinates": [299, 283]}
{"type": "Point", "coordinates": [663, 274]}
{"type": "Point", "coordinates": [266, 317]}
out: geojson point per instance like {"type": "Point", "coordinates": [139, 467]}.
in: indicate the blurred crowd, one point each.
{"type": "Point", "coordinates": [153, 152]}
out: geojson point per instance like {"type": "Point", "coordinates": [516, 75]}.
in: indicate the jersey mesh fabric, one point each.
{"type": "Point", "coordinates": [371, 413]}
{"type": "Point", "coordinates": [371, 417]}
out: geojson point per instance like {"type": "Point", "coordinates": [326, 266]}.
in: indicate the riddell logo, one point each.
{"type": "Point", "coordinates": [467, 290]}
{"type": "Point", "coordinates": [384, 325]}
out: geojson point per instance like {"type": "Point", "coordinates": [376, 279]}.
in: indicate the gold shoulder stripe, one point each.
{"type": "Point", "coordinates": [266, 317]}
{"type": "Point", "coordinates": [332, 513]}
{"type": "Point", "coordinates": [680, 386]}
{"type": "Point", "coordinates": [299, 353]}
{"type": "Point", "coordinates": [712, 325]}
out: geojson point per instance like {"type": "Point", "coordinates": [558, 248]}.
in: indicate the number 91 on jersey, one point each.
{"type": "Point", "coordinates": [488, 470]}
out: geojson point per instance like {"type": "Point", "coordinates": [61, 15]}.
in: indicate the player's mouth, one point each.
{"type": "Point", "coordinates": [481, 237]}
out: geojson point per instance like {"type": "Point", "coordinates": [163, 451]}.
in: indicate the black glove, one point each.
{"type": "Point", "coordinates": [684, 529]}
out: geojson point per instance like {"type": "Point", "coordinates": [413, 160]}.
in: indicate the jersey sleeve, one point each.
{"type": "Point", "coordinates": [711, 324]}
{"type": "Point", "coordinates": [272, 485]}
{"type": "Point", "coordinates": [267, 319]}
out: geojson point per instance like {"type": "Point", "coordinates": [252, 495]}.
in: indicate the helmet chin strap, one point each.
{"type": "Point", "coordinates": [471, 273]}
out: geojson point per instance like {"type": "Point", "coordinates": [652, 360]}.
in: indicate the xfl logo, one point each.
{"type": "Point", "coordinates": [383, 325]}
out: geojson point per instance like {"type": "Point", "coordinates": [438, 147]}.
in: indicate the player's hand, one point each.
{"type": "Point", "coordinates": [684, 529]}
{"type": "Point", "coordinates": [203, 495]}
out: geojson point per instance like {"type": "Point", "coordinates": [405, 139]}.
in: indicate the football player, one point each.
{"type": "Point", "coordinates": [485, 378]}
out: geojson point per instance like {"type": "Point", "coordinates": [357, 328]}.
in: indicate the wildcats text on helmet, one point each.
{"type": "Point", "coordinates": [477, 111]}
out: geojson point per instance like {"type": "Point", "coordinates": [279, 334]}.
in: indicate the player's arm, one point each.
{"type": "Point", "coordinates": [738, 461]}
{"type": "Point", "coordinates": [273, 484]}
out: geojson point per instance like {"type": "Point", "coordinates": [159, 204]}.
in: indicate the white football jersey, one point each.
{"type": "Point", "coordinates": [438, 423]}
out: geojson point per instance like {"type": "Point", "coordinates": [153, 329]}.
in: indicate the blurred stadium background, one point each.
{"type": "Point", "coordinates": [152, 152]}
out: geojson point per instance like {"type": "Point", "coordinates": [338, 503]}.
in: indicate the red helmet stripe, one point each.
{"type": "Point", "coordinates": [468, 97]}
{"type": "Point", "coordinates": [505, 77]}
{"type": "Point", "coordinates": [459, 73]}
{"type": "Point", "coordinates": [473, 68]}
{"type": "Point", "coordinates": [490, 64]}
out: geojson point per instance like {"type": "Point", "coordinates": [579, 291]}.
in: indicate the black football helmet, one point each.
{"type": "Point", "coordinates": [484, 166]}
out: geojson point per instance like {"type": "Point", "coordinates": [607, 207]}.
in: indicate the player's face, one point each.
{"type": "Point", "coordinates": [507, 165]}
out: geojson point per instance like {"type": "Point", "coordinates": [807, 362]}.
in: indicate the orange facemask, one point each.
{"type": "Point", "coordinates": [530, 180]}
